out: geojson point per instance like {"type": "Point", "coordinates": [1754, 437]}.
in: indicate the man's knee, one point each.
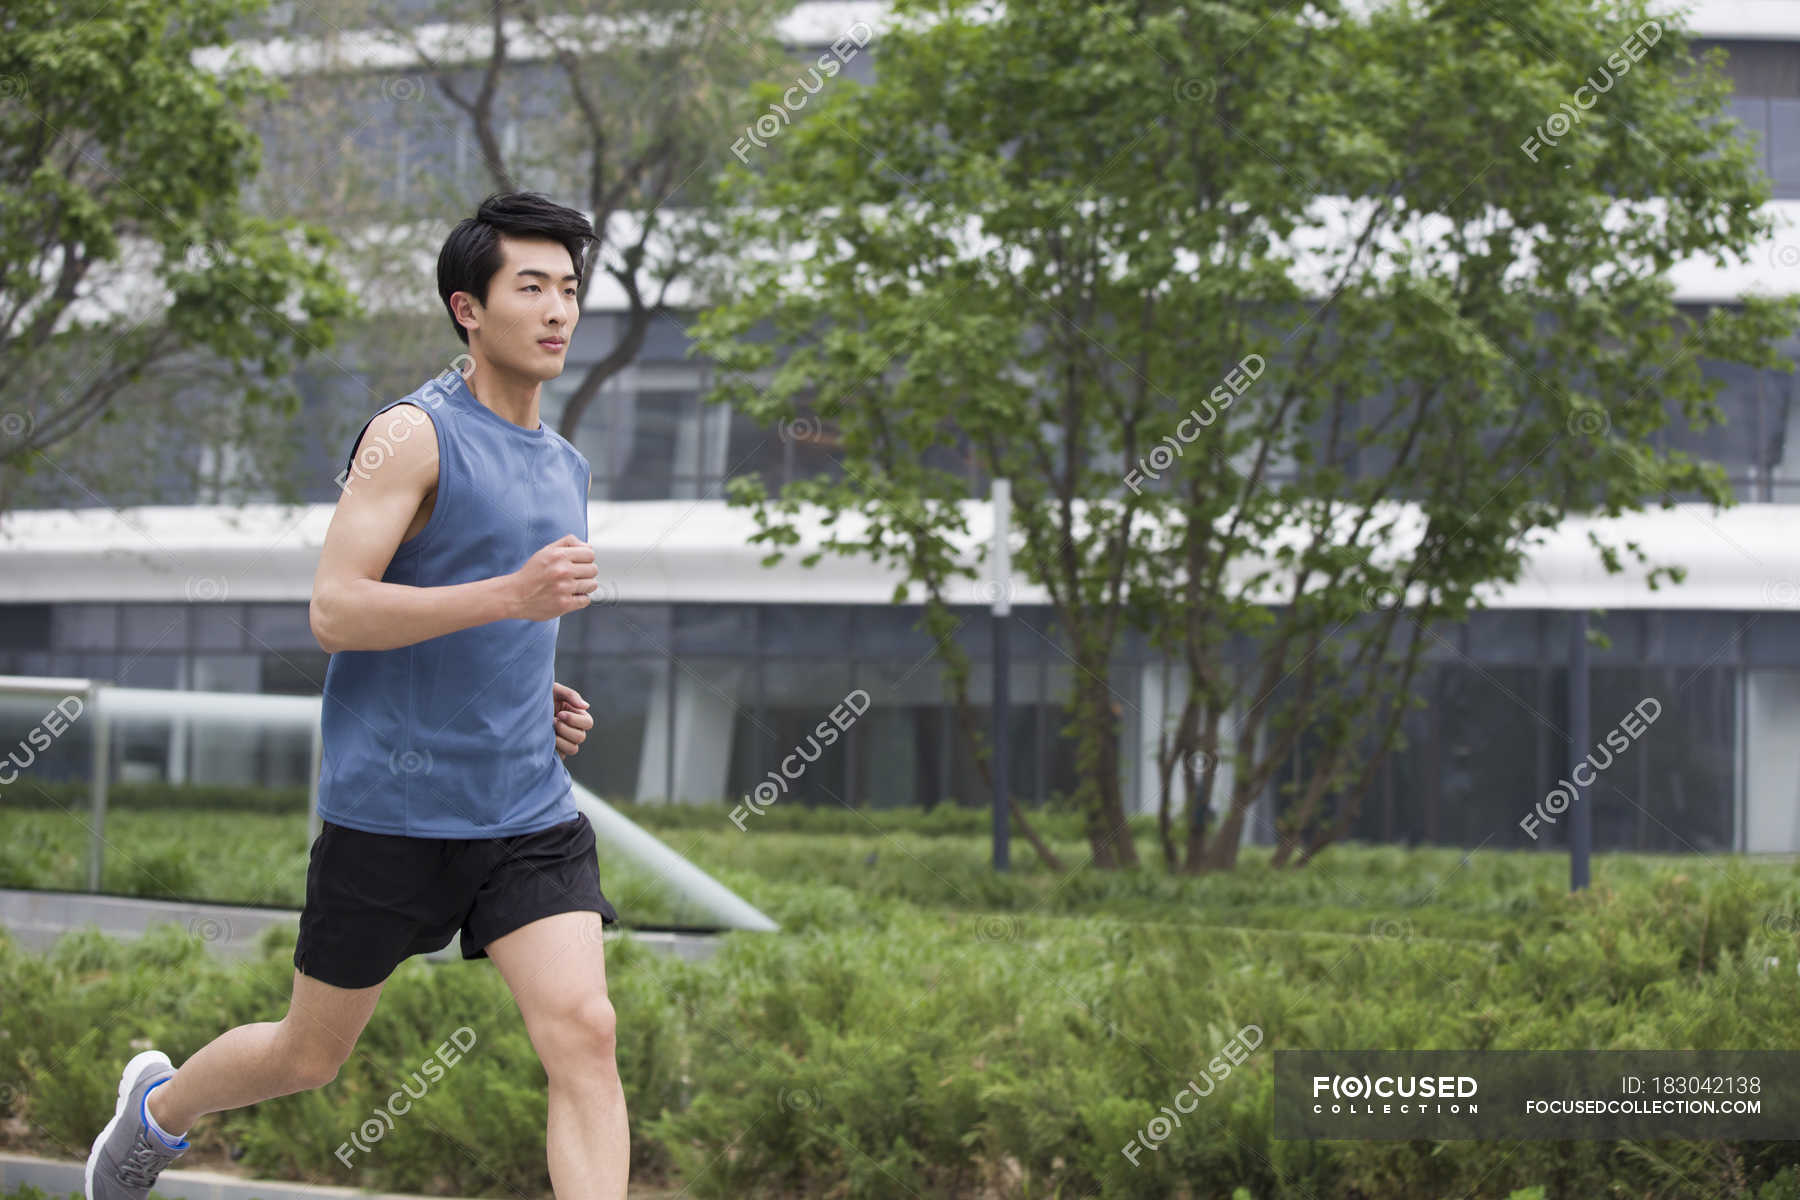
{"type": "Point", "coordinates": [312, 1060]}
{"type": "Point", "coordinates": [583, 1033]}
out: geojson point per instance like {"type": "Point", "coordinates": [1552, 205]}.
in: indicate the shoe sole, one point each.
{"type": "Point", "coordinates": [127, 1080]}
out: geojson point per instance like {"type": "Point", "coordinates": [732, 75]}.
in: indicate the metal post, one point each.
{"type": "Point", "coordinates": [101, 762]}
{"type": "Point", "coordinates": [1002, 588]}
{"type": "Point", "coordinates": [1581, 825]}
{"type": "Point", "coordinates": [313, 822]}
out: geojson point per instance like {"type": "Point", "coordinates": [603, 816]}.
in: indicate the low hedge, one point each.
{"type": "Point", "coordinates": [782, 817]}
{"type": "Point", "coordinates": [205, 797]}
{"type": "Point", "coordinates": [879, 1048]}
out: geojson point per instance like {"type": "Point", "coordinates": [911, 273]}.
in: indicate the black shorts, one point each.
{"type": "Point", "coordinates": [376, 899]}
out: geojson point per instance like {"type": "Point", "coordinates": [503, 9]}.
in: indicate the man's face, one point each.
{"type": "Point", "coordinates": [530, 302]}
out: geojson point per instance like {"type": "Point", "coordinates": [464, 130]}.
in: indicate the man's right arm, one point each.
{"type": "Point", "coordinates": [352, 609]}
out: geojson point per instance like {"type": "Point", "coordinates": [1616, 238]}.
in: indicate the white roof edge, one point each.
{"type": "Point", "coordinates": [812, 24]}
{"type": "Point", "coordinates": [1743, 20]}
{"type": "Point", "coordinates": [687, 551]}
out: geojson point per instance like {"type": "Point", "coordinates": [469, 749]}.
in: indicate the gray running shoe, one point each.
{"type": "Point", "coordinates": [128, 1155]}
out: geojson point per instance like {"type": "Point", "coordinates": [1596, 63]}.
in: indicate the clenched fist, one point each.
{"type": "Point", "coordinates": [556, 580]}
{"type": "Point", "coordinates": [572, 719]}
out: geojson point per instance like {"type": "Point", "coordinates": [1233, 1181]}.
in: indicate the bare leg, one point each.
{"type": "Point", "coordinates": [556, 969]}
{"type": "Point", "coordinates": [588, 1144]}
{"type": "Point", "coordinates": [266, 1059]}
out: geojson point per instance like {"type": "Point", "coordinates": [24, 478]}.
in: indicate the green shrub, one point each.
{"type": "Point", "coordinates": [923, 1026]}
{"type": "Point", "coordinates": [66, 795]}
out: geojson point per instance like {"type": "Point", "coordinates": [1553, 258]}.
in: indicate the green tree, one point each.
{"type": "Point", "coordinates": [1065, 236]}
{"type": "Point", "coordinates": [127, 264]}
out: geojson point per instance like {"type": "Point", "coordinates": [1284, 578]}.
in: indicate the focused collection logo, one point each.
{"type": "Point", "coordinates": [1379, 1093]}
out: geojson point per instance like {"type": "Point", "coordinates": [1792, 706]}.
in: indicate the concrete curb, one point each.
{"type": "Point", "coordinates": [37, 919]}
{"type": "Point", "coordinates": [60, 1178]}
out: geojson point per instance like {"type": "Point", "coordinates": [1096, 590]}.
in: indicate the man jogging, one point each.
{"type": "Point", "coordinates": [459, 540]}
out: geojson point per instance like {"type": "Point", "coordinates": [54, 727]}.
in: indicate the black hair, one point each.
{"type": "Point", "coordinates": [471, 254]}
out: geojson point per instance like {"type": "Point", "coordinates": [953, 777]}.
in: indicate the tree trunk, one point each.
{"type": "Point", "coordinates": [1200, 792]}
{"type": "Point", "coordinates": [1166, 758]}
{"type": "Point", "coordinates": [1223, 854]}
{"type": "Point", "coordinates": [1303, 815]}
{"type": "Point", "coordinates": [1169, 755]}
{"type": "Point", "coordinates": [1199, 802]}
{"type": "Point", "coordinates": [1109, 836]}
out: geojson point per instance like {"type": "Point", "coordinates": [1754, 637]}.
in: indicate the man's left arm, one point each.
{"type": "Point", "coordinates": [571, 715]}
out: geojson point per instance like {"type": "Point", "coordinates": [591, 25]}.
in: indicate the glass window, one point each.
{"type": "Point", "coordinates": [974, 630]}
{"type": "Point", "coordinates": [889, 632]}
{"type": "Point", "coordinates": [716, 734]}
{"type": "Point", "coordinates": [715, 441]}
{"type": "Point", "coordinates": [624, 628]}
{"type": "Point", "coordinates": [1501, 636]}
{"type": "Point", "coordinates": [1753, 112]}
{"type": "Point", "coordinates": [808, 719]}
{"type": "Point", "coordinates": [1469, 769]}
{"type": "Point", "coordinates": [1034, 636]}
{"type": "Point", "coordinates": [155, 627]}
{"type": "Point", "coordinates": [714, 628]}
{"type": "Point", "coordinates": [1445, 641]}
{"type": "Point", "coordinates": [1784, 146]}
{"type": "Point", "coordinates": [1772, 766]}
{"type": "Point", "coordinates": [139, 670]}
{"type": "Point", "coordinates": [1483, 738]}
{"type": "Point", "coordinates": [806, 630]}
{"type": "Point", "coordinates": [281, 627]}
{"type": "Point", "coordinates": [218, 626]}
{"type": "Point", "coordinates": [663, 430]}
{"type": "Point", "coordinates": [228, 673]}
{"type": "Point", "coordinates": [84, 627]}
{"type": "Point", "coordinates": [1624, 629]}
{"type": "Point", "coordinates": [1025, 695]}
{"type": "Point", "coordinates": [26, 626]}
{"type": "Point", "coordinates": [1670, 790]}
{"type": "Point", "coordinates": [754, 450]}
{"type": "Point", "coordinates": [1620, 792]}
{"type": "Point", "coordinates": [1782, 424]}
{"type": "Point", "coordinates": [623, 758]}
{"type": "Point", "coordinates": [1739, 442]}
{"type": "Point", "coordinates": [1696, 639]}
{"type": "Point", "coordinates": [1774, 640]}
{"type": "Point", "coordinates": [901, 741]}
{"type": "Point", "coordinates": [811, 446]}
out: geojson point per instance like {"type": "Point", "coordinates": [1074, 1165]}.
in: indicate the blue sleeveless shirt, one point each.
{"type": "Point", "coordinates": [453, 737]}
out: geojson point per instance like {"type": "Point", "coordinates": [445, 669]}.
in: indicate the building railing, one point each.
{"type": "Point", "coordinates": [103, 705]}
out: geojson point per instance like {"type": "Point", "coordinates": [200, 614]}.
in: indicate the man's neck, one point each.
{"type": "Point", "coordinates": [507, 396]}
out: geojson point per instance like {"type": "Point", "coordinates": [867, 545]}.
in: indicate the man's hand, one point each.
{"type": "Point", "coordinates": [572, 719]}
{"type": "Point", "coordinates": [555, 581]}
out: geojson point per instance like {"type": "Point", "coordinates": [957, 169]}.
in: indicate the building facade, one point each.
{"type": "Point", "coordinates": [705, 668]}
